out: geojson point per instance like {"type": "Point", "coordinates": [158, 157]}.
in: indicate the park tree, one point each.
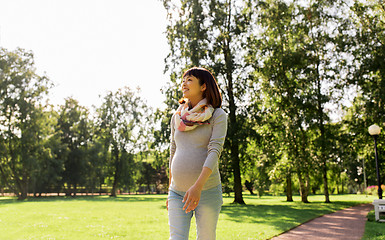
{"type": "Point", "coordinates": [211, 34]}
{"type": "Point", "coordinates": [47, 173]}
{"type": "Point", "coordinates": [256, 167]}
{"type": "Point", "coordinates": [73, 129]}
{"type": "Point", "coordinates": [366, 45]}
{"type": "Point", "coordinates": [346, 155]}
{"type": "Point", "coordinates": [96, 165]}
{"type": "Point", "coordinates": [299, 68]}
{"type": "Point", "coordinates": [22, 119]}
{"type": "Point", "coordinates": [124, 127]}
{"type": "Point", "coordinates": [147, 176]}
{"type": "Point", "coordinates": [278, 56]}
{"type": "Point", "coordinates": [324, 24]}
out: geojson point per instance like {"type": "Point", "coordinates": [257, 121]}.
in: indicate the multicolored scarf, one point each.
{"type": "Point", "coordinates": [187, 120]}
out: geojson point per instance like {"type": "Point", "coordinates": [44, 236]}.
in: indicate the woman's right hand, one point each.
{"type": "Point", "coordinates": [167, 204]}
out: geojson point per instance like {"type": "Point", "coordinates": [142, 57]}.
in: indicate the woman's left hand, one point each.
{"type": "Point", "coordinates": [191, 198]}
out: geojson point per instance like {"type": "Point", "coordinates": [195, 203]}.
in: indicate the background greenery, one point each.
{"type": "Point", "coordinates": [301, 81]}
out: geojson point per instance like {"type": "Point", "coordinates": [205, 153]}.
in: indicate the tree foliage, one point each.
{"type": "Point", "coordinates": [301, 82]}
{"type": "Point", "coordinates": [214, 33]}
{"type": "Point", "coordinates": [22, 119]}
{"type": "Point", "coordinates": [123, 125]}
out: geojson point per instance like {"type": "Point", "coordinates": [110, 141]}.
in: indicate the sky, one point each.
{"type": "Point", "coordinates": [90, 47]}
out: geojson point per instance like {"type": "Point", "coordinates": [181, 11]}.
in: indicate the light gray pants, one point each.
{"type": "Point", "coordinates": [206, 214]}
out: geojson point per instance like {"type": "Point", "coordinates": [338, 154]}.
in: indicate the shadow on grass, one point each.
{"type": "Point", "coordinates": [281, 214]}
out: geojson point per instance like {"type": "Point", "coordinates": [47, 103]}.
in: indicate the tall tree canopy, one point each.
{"type": "Point", "coordinates": [212, 34]}
{"type": "Point", "coordinates": [124, 128]}
{"type": "Point", "coordinates": [22, 119]}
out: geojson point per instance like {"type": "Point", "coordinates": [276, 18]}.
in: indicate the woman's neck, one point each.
{"type": "Point", "coordinates": [194, 101]}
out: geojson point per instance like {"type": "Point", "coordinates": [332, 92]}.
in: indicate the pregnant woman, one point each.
{"type": "Point", "coordinates": [198, 131]}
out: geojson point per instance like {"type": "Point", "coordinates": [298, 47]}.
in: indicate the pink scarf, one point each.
{"type": "Point", "coordinates": [187, 120]}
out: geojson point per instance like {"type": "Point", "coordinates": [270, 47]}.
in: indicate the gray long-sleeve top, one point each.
{"type": "Point", "coordinates": [190, 151]}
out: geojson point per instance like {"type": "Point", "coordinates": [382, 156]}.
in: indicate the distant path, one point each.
{"type": "Point", "coordinates": [348, 223]}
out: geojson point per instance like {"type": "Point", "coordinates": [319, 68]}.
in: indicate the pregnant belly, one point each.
{"type": "Point", "coordinates": [186, 168]}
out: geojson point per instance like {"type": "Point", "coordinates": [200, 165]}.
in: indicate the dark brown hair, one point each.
{"type": "Point", "coordinates": [212, 93]}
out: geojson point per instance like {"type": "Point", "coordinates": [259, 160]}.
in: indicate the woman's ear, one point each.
{"type": "Point", "coordinates": [203, 87]}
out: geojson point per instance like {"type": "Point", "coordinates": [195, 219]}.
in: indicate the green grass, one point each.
{"type": "Point", "coordinates": [374, 230]}
{"type": "Point", "coordinates": [145, 217]}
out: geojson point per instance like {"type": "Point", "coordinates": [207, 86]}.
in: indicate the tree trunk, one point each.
{"type": "Point", "coordinates": [342, 187]}
{"type": "Point", "coordinates": [23, 190]}
{"type": "Point", "coordinates": [75, 189]}
{"type": "Point", "coordinates": [237, 179]}
{"type": "Point", "coordinates": [115, 183]}
{"type": "Point", "coordinates": [322, 132]}
{"type": "Point", "coordinates": [325, 179]}
{"type": "Point", "coordinates": [289, 190]}
{"type": "Point", "coordinates": [337, 185]}
{"type": "Point", "coordinates": [303, 189]}
{"type": "Point", "coordinates": [249, 186]}
{"type": "Point", "coordinates": [307, 184]}
{"type": "Point", "coordinates": [234, 146]}
{"type": "Point", "coordinates": [116, 175]}
{"type": "Point", "coordinates": [68, 190]}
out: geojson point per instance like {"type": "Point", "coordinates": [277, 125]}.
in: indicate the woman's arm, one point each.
{"type": "Point", "coordinates": [169, 183]}
{"type": "Point", "coordinates": [193, 195]}
{"type": "Point", "coordinates": [202, 179]}
{"type": "Point", "coordinates": [172, 152]}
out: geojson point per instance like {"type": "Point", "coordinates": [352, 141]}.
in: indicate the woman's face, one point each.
{"type": "Point", "coordinates": [191, 88]}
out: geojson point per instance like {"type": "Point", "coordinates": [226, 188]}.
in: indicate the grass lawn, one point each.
{"type": "Point", "coordinates": [374, 230]}
{"type": "Point", "coordinates": [145, 217]}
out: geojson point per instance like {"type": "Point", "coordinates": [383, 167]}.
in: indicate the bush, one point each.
{"type": "Point", "coordinates": [277, 189]}
{"type": "Point", "coordinates": [372, 190]}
